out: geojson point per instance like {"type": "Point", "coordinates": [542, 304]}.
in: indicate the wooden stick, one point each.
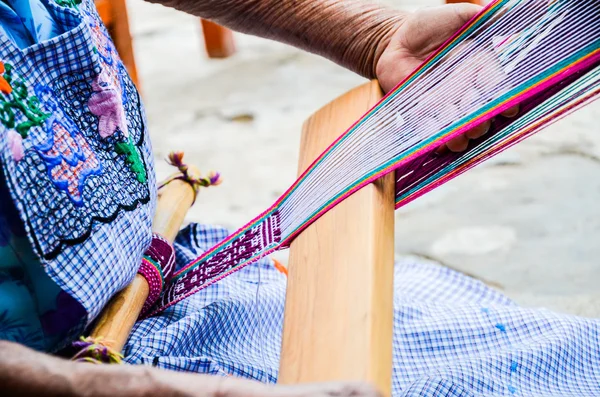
{"type": "Point", "coordinates": [339, 306]}
{"type": "Point", "coordinates": [218, 40]}
{"type": "Point", "coordinates": [116, 321]}
{"type": "Point", "coordinates": [119, 31]}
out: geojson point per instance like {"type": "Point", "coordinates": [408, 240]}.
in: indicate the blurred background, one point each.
{"type": "Point", "coordinates": [527, 221]}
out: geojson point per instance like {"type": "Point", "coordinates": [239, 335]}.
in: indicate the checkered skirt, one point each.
{"type": "Point", "coordinates": [453, 335]}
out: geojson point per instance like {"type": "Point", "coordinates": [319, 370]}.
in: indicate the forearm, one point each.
{"type": "Point", "coordinates": [352, 33]}
{"type": "Point", "coordinates": [24, 373]}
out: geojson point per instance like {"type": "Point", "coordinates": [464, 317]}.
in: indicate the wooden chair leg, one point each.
{"type": "Point", "coordinates": [218, 40]}
{"type": "Point", "coordinates": [118, 29]}
{"type": "Point", "coordinates": [339, 306]}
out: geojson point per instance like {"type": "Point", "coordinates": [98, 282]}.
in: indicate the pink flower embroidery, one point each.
{"type": "Point", "coordinates": [15, 143]}
{"type": "Point", "coordinates": [106, 103]}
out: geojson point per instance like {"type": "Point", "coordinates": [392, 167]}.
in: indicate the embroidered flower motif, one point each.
{"type": "Point", "coordinates": [15, 105]}
{"type": "Point", "coordinates": [15, 143]}
{"type": "Point", "coordinates": [70, 162]}
{"type": "Point", "coordinates": [69, 158]}
{"type": "Point", "coordinates": [106, 102]}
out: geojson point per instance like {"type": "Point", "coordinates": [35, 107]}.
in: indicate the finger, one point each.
{"type": "Point", "coordinates": [511, 112]}
{"type": "Point", "coordinates": [488, 73]}
{"type": "Point", "coordinates": [458, 144]}
{"type": "Point", "coordinates": [479, 131]}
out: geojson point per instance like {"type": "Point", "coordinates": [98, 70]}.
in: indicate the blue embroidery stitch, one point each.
{"type": "Point", "coordinates": [69, 158]}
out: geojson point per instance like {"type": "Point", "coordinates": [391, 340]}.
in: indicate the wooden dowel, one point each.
{"type": "Point", "coordinates": [118, 318]}
{"type": "Point", "coordinates": [339, 304]}
{"type": "Point", "coordinates": [121, 35]}
{"type": "Point", "coordinates": [218, 40]}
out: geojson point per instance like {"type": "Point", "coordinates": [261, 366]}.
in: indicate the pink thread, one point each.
{"type": "Point", "coordinates": [160, 254]}
{"type": "Point", "coordinates": [106, 103]}
{"type": "Point", "coordinates": [15, 143]}
{"type": "Point", "coordinates": [155, 282]}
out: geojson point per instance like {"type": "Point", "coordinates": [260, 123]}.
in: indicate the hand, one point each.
{"type": "Point", "coordinates": [416, 38]}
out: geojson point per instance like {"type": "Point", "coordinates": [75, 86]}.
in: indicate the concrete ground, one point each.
{"type": "Point", "coordinates": [527, 221]}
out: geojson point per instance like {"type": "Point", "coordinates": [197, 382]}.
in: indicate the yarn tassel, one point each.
{"type": "Point", "coordinates": [92, 350]}
{"type": "Point", "coordinates": [213, 178]}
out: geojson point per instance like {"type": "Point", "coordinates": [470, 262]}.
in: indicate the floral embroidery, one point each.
{"type": "Point", "coordinates": [16, 101]}
{"type": "Point", "coordinates": [132, 157]}
{"type": "Point", "coordinates": [68, 156]}
{"type": "Point", "coordinates": [100, 178]}
{"type": "Point", "coordinates": [106, 102]}
{"type": "Point", "coordinates": [80, 141]}
{"type": "Point", "coordinates": [109, 98]}
{"type": "Point", "coordinates": [15, 143]}
{"type": "Point", "coordinates": [112, 74]}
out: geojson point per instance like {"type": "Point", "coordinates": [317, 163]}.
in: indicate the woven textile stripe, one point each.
{"type": "Point", "coordinates": [548, 76]}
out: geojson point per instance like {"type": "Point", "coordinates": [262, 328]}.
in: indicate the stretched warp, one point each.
{"type": "Point", "coordinates": [541, 55]}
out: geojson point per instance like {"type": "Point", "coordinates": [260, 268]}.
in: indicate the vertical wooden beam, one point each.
{"type": "Point", "coordinates": [339, 305]}
{"type": "Point", "coordinates": [218, 40]}
{"type": "Point", "coordinates": [121, 35]}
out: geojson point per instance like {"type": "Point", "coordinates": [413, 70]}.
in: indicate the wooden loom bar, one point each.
{"type": "Point", "coordinates": [339, 304]}
{"type": "Point", "coordinates": [115, 16]}
{"type": "Point", "coordinates": [119, 316]}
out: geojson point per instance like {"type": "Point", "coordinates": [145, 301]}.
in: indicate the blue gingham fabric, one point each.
{"type": "Point", "coordinates": [58, 54]}
{"type": "Point", "coordinates": [453, 335]}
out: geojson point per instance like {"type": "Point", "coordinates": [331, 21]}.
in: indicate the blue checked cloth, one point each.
{"type": "Point", "coordinates": [453, 335]}
{"type": "Point", "coordinates": [57, 49]}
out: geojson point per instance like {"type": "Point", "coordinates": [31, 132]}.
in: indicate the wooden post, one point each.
{"type": "Point", "coordinates": [339, 306]}
{"type": "Point", "coordinates": [115, 17]}
{"type": "Point", "coordinates": [118, 318]}
{"type": "Point", "coordinates": [218, 40]}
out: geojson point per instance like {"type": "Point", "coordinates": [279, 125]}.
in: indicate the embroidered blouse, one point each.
{"type": "Point", "coordinates": [77, 184]}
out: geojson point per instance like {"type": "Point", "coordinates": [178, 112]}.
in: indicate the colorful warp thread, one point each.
{"type": "Point", "coordinates": [157, 268]}
{"type": "Point", "coordinates": [542, 56]}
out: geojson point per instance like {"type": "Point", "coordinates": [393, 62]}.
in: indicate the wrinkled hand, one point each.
{"type": "Point", "coordinates": [420, 34]}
